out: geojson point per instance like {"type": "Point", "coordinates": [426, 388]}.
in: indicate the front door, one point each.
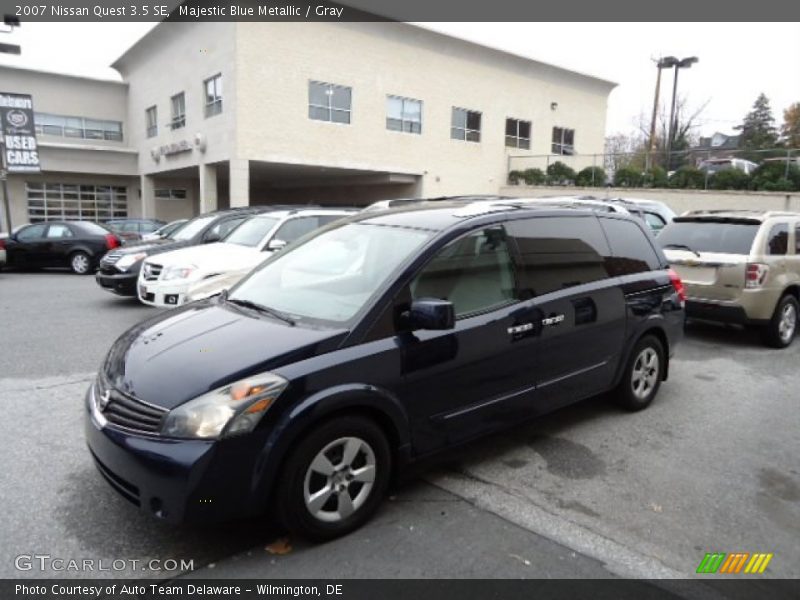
{"type": "Point", "coordinates": [478, 377]}
{"type": "Point", "coordinates": [27, 248]}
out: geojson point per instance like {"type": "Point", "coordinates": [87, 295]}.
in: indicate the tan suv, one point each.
{"type": "Point", "coordinates": [739, 267]}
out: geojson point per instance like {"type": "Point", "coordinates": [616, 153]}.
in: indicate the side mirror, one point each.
{"type": "Point", "coordinates": [212, 238]}
{"type": "Point", "coordinates": [275, 245]}
{"type": "Point", "coordinates": [432, 313]}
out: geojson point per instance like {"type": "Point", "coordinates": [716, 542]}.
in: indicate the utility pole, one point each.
{"type": "Point", "coordinates": [4, 180]}
{"type": "Point", "coordinates": [684, 63]}
{"type": "Point", "coordinates": [662, 63]}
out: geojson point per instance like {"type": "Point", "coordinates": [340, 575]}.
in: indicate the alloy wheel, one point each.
{"type": "Point", "coordinates": [788, 323]}
{"type": "Point", "coordinates": [644, 375]}
{"type": "Point", "coordinates": [80, 263]}
{"type": "Point", "coordinates": [339, 479]}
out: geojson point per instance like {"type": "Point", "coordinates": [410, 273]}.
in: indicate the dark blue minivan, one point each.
{"type": "Point", "coordinates": [376, 341]}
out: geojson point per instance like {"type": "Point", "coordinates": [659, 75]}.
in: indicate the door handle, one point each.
{"type": "Point", "coordinates": [523, 328]}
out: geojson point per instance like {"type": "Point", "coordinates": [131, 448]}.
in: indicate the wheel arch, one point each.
{"type": "Point", "coordinates": [651, 329]}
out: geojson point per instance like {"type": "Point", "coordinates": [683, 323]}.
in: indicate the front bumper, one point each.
{"type": "Point", "coordinates": [123, 284]}
{"type": "Point", "coordinates": [178, 481]}
{"type": "Point", "coordinates": [163, 294]}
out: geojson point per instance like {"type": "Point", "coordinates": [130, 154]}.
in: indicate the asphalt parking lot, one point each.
{"type": "Point", "coordinates": [589, 491]}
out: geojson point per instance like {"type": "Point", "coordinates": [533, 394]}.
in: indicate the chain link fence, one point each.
{"type": "Point", "coordinates": [773, 169]}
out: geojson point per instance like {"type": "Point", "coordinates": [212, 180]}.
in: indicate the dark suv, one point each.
{"type": "Point", "coordinates": [119, 269]}
{"type": "Point", "coordinates": [371, 343]}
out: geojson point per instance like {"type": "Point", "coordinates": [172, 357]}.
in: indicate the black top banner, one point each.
{"type": "Point", "coordinates": [20, 152]}
{"type": "Point", "coordinates": [405, 10]}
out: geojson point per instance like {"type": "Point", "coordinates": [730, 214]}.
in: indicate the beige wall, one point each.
{"type": "Point", "coordinates": [276, 61]}
{"type": "Point", "coordinates": [174, 58]}
{"type": "Point", "coordinates": [679, 200]}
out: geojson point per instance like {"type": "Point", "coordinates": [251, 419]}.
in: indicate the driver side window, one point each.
{"type": "Point", "coordinates": [34, 232]}
{"type": "Point", "coordinates": [474, 272]}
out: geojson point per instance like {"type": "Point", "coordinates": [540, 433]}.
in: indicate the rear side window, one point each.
{"type": "Point", "coordinates": [558, 252]}
{"type": "Point", "coordinates": [33, 232]}
{"type": "Point", "coordinates": [631, 251]}
{"type": "Point", "coordinates": [710, 236]}
{"type": "Point", "coordinates": [778, 242]}
{"type": "Point", "coordinates": [474, 272]}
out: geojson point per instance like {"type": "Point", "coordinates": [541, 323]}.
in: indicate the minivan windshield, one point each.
{"type": "Point", "coordinates": [251, 233]}
{"type": "Point", "coordinates": [332, 275]}
{"type": "Point", "coordinates": [193, 227]}
{"type": "Point", "coordinates": [709, 236]}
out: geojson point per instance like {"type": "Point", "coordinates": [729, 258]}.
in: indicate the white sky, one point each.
{"type": "Point", "coordinates": [737, 60]}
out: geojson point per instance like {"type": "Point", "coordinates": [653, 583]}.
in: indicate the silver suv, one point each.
{"type": "Point", "coordinates": [739, 266]}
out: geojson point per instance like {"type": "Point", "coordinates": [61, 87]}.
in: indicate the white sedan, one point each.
{"type": "Point", "coordinates": [173, 278]}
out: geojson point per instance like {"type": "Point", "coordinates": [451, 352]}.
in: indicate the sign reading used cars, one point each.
{"type": "Point", "coordinates": [19, 133]}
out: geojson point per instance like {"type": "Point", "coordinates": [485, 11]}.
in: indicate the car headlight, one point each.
{"type": "Point", "coordinates": [227, 411]}
{"type": "Point", "coordinates": [178, 272]}
{"type": "Point", "coordinates": [124, 263]}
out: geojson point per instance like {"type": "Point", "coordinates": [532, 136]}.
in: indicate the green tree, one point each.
{"type": "Point", "coordinates": [791, 126]}
{"type": "Point", "coordinates": [560, 174]}
{"type": "Point", "coordinates": [758, 130]}
{"type": "Point", "coordinates": [591, 176]}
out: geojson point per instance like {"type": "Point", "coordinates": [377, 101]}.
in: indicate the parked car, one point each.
{"type": "Point", "coordinates": [166, 279]}
{"type": "Point", "coordinates": [715, 165]}
{"type": "Point", "coordinates": [133, 229]}
{"type": "Point", "coordinates": [119, 270]}
{"type": "Point", "coordinates": [2, 253]}
{"type": "Point", "coordinates": [379, 340]}
{"type": "Point", "coordinates": [653, 212]}
{"type": "Point", "coordinates": [739, 267]}
{"type": "Point", "coordinates": [164, 231]}
{"type": "Point", "coordinates": [74, 244]}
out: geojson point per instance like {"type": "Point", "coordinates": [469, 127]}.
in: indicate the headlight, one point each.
{"type": "Point", "coordinates": [128, 260]}
{"type": "Point", "coordinates": [230, 410]}
{"type": "Point", "coordinates": [179, 272]}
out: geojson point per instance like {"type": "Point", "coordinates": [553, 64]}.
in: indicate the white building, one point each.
{"type": "Point", "coordinates": [211, 115]}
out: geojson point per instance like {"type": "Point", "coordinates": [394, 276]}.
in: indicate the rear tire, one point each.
{"type": "Point", "coordinates": [643, 374]}
{"type": "Point", "coordinates": [335, 479]}
{"type": "Point", "coordinates": [782, 328]}
{"type": "Point", "coordinates": [80, 263]}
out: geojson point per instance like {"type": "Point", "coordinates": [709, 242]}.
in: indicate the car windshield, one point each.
{"type": "Point", "coordinates": [710, 236]}
{"type": "Point", "coordinates": [193, 227]}
{"type": "Point", "coordinates": [252, 232]}
{"type": "Point", "coordinates": [171, 230]}
{"type": "Point", "coordinates": [331, 276]}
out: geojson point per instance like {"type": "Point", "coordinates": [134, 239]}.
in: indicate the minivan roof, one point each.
{"type": "Point", "coordinates": [441, 214]}
{"type": "Point", "coordinates": [731, 214]}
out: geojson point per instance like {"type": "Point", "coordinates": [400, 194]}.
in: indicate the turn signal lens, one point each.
{"type": "Point", "coordinates": [755, 274]}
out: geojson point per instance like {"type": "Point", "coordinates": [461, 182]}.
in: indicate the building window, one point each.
{"type": "Point", "coordinates": [518, 134]}
{"type": "Point", "coordinates": [151, 118]}
{"type": "Point", "coordinates": [78, 127]}
{"type": "Point", "coordinates": [403, 114]}
{"type": "Point", "coordinates": [61, 201]}
{"type": "Point", "coordinates": [170, 194]}
{"type": "Point", "coordinates": [329, 102]}
{"type": "Point", "coordinates": [563, 141]}
{"type": "Point", "coordinates": [213, 93]}
{"type": "Point", "coordinates": [465, 125]}
{"type": "Point", "coordinates": [178, 102]}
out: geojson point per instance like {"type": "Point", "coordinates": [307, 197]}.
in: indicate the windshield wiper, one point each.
{"type": "Point", "coordinates": [261, 308]}
{"type": "Point", "coordinates": [683, 247]}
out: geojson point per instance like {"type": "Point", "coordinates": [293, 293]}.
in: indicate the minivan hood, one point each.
{"type": "Point", "coordinates": [188, 351]}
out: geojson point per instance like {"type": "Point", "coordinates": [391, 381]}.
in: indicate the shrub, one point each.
{"type": "Point", "coordinates": [655, 177]}
{"type": "Point", "coordinates": [591, 176]}
{"type": "Point", "coordinates": [560, 174]}
{"type": "Point", "coordinates": [514, 177]}
{"type": "Point", "coordinates": [628, 177]}
{"type": "Point", "coordinates": [688, 177]}
{"type": "Point", "coordinates": [533, 176]}
{"type": "Point", "coordinates": [729, 179]}
{"type": "Point", "coordinates": [772, 177]}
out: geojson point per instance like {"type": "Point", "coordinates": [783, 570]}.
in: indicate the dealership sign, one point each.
{"type": "Point", "coordinates": [21, 153]}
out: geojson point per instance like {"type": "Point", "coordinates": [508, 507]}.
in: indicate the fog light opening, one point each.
{"type": "Point", "coordinates": [157, 506]}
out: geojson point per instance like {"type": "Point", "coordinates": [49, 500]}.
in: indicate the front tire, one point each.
{"type": "Point", "coordinates": [335, 479]}
{"type": "Point", "coordinates": [643, 374]}
{"type": "Point", "coordinates": [80, 263]}
{"type": "Point", "coordinates": [782, 328]}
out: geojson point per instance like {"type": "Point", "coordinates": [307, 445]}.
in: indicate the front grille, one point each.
{"type": "Point", "coordinates": [128, 412]}
{"type": "Point", "coordinates": [152, 271]}
{"type": "Point", "coordinates": [110, 259]}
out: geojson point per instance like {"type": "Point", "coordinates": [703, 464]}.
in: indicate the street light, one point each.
{"type": "Point", "coordinates": [684, 63]}
{"type": "Point", "coordinates": [666, 62]}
